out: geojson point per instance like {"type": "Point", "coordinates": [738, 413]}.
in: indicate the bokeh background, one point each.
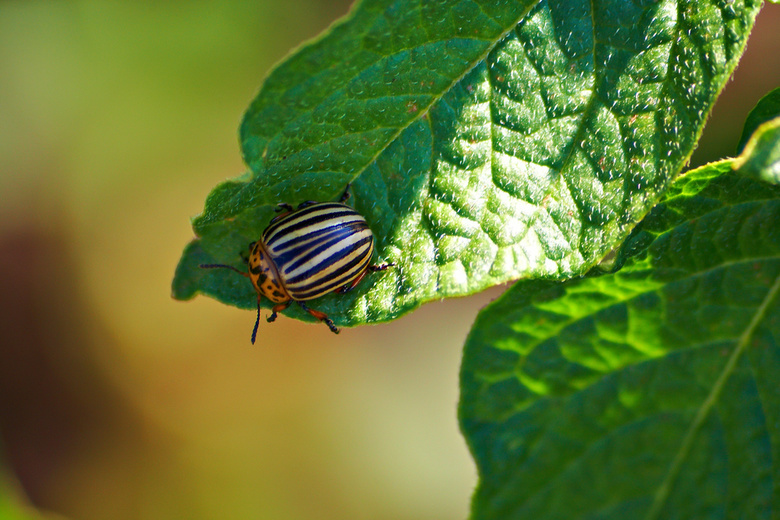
{"type": "Point", "coordinates": [116, 402]}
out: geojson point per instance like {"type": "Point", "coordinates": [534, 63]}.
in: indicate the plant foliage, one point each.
{"type": "Point", "coordinates": [650, 392]}
{"type": "Point", "coordinates": [485, 140]}
{"type": "Point", "coordinates": [488, 141]}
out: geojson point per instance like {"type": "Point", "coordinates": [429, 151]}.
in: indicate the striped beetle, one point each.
{"type": "Point", "coordinates": [306, 252]}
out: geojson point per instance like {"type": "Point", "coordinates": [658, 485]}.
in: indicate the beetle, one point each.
{"type": "Point", "coordinates": [306, 252]}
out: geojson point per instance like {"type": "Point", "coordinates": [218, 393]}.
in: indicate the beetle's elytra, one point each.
{"type": "Point", "coordinates": [308, 251]}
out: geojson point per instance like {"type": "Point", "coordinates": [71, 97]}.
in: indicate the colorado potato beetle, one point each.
{"type": "Point", "coordinates": [306, 252]}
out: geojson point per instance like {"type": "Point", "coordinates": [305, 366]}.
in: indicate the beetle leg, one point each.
{"type": "Point", "coordinates": [257, 322]}
{"type": "Point", "coordinates": [306, 203]}
{"type": "Point", "coordinates": [283, 209]}
{"type": "Point", "coordinates": [382, 267]}
{"type": "Point", "coordinates": [345, 195]}
{"type": "Point", "coordinates": [277, 308]}
{"type": "Point", "coordinates": [373, 268]}
{"type": "Point", "coordinates": [244, 255]}
{"type": "Point", "coordinates": [348, 287]}
{"type": "Point", "coordinates": [320, 316]}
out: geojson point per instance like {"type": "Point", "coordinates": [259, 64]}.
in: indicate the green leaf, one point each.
{"type": "Point", "coordinates": [485, 141]}
{"type": "Point", "coordinates": [761, 156]}
{"type": "Point", "coordinates": [650, 392]}
{"type": "Point", "coordinates": [767, 108]}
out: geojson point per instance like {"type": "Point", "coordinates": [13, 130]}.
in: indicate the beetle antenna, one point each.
{"type": "Point", "coordinates": [257, 322]}
{"type": "Point", "coordinates": [215, 266]}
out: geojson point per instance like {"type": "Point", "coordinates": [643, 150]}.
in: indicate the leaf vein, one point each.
{"type": "Point", "coordinates": [664, 489]}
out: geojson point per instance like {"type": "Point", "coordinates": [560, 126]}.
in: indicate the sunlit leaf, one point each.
{"type": "Point", "coordinates": [647, 393]}
{"type": "Point", "coordinates": [761, 156]}
{"type": "Point", "coordinates": [485, 141]}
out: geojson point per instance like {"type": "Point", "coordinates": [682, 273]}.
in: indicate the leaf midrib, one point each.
{"type": "Point", "coordinates": [437, 97]}
{"type": "Point", "coordinates": [664, 489]}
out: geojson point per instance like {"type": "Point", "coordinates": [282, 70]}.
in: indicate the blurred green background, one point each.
{"type": "Point", "coordinates": [116, 119]}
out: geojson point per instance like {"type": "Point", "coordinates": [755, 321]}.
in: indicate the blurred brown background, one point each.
{"type": "Point", "coordinates": [116, 119]}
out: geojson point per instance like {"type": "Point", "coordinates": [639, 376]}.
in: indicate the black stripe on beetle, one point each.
{"type": "Point", "coordinates": [309, 251]}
